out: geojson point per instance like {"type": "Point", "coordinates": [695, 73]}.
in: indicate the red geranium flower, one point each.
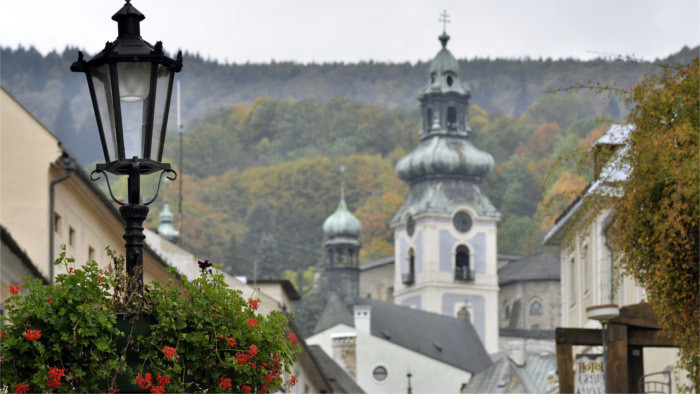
{"type": "Point", "coordinates": [163, 380]}
{"type": "Point", "coordinates": [231, 342]}
{"type": "Point", "coordinates": [253, 350]}
{"type": "Point", "coordinates": [252, 323]}
{"type": "Point", "coordinates": [21, 388]}
{"type": "Point", "coordinates": [292, 338]}
{"type": "Point", "coordinates": [293, 380]}
{"type": "Point", "coordinates": [246, 388]}
{"type": "Point", "coordinates": [253, 304]}
{"type": "Point", "coordinates": [157, 389]}
{"type": "Point", "coordinates": [70, 270]}
{"type": "Point", "coordinates": [54, 380]}
{"type": "Point", "coordinates": [225, 383]}
{"type": "Point", "coordinates": [15, 289]}
{"type": "Point", "coordinates": [32, 335]}
{"type": "Point", "coordinates": [169, 352]}
{"type": "Point", "coordinates": [144, 382]}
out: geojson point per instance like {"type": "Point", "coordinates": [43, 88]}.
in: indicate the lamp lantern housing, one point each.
{"type": "Point", "coordinates": [130, 83]}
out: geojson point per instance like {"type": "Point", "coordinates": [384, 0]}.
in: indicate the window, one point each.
{"type": "Point", "coordinates": [429, 119]}
{"type": "Point", "coordinates": [462, 268]}
{"type": "Point", "coordinates": [432, 77]}
{"type": "Point", "coordinates": [507, 311]}
{"type": "Point", "coordinates": [409, 277]}
{"type": "Point", "coordinates": [451, 119]}
{"type": "Point", "coordinates": [57, 223]}
{"type": "Point", "coordinates": [380, 373]}
{"type": "Point", "coordinates": [71, 236]}
{"type": "Point", "coordinates": [572, 281]}
{"type": "Point", "coordinates": [536, 308]}
{"type": "Point", "coordinates": [449, 80]}
{"type": "Point", "coordinates": [91, 254]}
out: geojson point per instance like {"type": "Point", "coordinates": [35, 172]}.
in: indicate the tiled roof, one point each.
{"type": "Point", "coordinates": [542, 266]}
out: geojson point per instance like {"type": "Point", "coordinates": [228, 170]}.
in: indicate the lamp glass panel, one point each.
{"type": "Point", "coordinates": [134, 81]}
{"type": "Point", "coordinates": [102, 84]}
{"type": "Point", "coordinates": [159, 116]}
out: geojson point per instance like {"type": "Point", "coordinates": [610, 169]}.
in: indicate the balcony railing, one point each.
{"type": "Point", "coordinates": [462, 273]}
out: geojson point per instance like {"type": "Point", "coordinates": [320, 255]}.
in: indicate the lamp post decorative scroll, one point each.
{"type": "Point", "coordinates": [131, 83]}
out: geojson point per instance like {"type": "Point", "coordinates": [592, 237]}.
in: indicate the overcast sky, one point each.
{"type": "Point", "coordinates": [350, 31]}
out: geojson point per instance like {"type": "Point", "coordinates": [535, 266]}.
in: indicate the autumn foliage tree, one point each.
{"type": "Point", "coordinates": [656, 223]}
{"type": "Point", "coordinates": [655, 205]}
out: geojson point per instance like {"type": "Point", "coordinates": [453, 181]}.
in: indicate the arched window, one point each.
{"type": "Point", "coordinates": [507, 311]}
{"type": "Point", "coordinates": [451, 119]}
{"type": "Point", "coordinates": [449, 80]}
{"type": "Point", "coordinates": [429, 119]}
{"type": "Point", "coordinates": [462, 267]}
{"type": "Point", "coordinates": [536, 308]}
{"type": "Point", "coordinates": [409, 277]}
{"type": "Point", "coordinates": [432, 77]}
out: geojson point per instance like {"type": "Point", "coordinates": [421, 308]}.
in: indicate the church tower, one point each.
{"type": "Point", "coordinates": [165, 228]}
{"type": "Point", "coordinates": [342, 266]}
{"type": "Point", "coordinates": [445, 231]}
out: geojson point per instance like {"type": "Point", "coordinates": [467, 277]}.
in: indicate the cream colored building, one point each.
{"type": "Point", "coordinates": [588, 272]}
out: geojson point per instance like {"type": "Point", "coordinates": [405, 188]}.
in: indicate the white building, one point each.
{"type": "Point", "coordinates": [381, 343]}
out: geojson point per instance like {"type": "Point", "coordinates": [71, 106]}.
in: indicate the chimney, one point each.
{"type": "Point", "coordinates": [516, 352]}
{"type": "Point", "coordinates": [363, 318]}
{"type": "Point", "coordinates": [344, 351]}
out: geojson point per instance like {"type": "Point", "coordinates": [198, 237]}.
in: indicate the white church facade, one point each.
{"type": "Point", "coordinates": [445, 246]}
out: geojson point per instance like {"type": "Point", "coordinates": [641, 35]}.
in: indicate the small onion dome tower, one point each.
{"type": "Point", "coordinates": [165, 228]}
{"type": "Point", "coordinates": [445, 232]}
{"type": "Point", "coordinates": [342, 232]}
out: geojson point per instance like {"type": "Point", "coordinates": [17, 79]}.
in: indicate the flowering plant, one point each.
{"type": "Point", "coordinates": [79, 335]}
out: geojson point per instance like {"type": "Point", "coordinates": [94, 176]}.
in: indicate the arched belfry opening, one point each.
{"type": "Point", "coordinates": [409, 277]}
{"type": "Point", "coordinates": [463, 269]}
{"type": "Point", "coordinates": [451, 119]}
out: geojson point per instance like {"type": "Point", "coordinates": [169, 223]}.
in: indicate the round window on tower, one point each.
{"type": "Point", "coordinates": [462, 221]}
{"type": "Point", "coordinates": [410, 225]}
{"type": "Point", "coordinates": [380, 373]}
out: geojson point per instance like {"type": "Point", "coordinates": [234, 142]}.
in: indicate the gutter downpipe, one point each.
{"type": "Point", "coordinates": [69, 167]}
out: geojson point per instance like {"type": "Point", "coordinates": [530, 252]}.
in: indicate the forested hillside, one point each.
{"type": "Point", "coordinates": [60, 100]}
{"type": "Point", "coordinates": [263, 141]}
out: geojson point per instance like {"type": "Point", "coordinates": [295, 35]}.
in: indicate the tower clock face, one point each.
{"type": "Point", "coordinates": [410, 225]}
{"type": "Point", "coordinates": [462, 221]}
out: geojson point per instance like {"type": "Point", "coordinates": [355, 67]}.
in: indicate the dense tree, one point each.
{"type": "Point", "coordinates": [657, 222]}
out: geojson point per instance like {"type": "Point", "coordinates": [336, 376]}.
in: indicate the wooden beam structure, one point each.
{"type": "Point", "coordinates": [627, 336]}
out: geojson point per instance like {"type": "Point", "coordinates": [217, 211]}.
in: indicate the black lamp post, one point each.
{"type": "Point", "coordinates": [130, 84]}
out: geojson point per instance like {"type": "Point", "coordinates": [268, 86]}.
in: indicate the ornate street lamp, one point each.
{"type": "Point", "coordinates": [130, 84]}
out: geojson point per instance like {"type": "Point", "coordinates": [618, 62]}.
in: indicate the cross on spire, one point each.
{"type": "Point", "coordinates": [341, 171]}
{"type": "Point", "coordinates": [445, 19]}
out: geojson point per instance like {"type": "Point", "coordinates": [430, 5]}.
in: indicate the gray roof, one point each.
{"type": "Point", "coordinates": [448, 339]}
{"type": "Point", "coordinates": [530, 378]}
{"type": "Point", "coordinates": [542, 266]}
{"type": "Point", "coordinates": [444, 338]}
{"type": "Point", "coordinates": [338, 378]}
{"type": "Point", "coordinates": [377, 263]}
{"type": "Point", "coordinates": [334, 313]}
